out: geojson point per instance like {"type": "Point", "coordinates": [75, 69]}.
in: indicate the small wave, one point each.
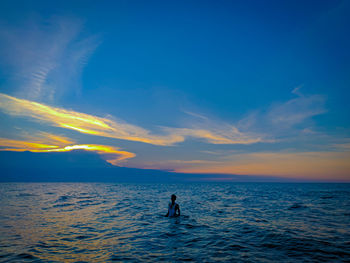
{"type": "Point", "coordinates": [69, 239]}
{"type": "Point", "coordinates": [194, 240]}
{"type": "Point", "coordinates": [121, 258]}
{"type": "Point", "coordinates": [26, 256]}
{"type": "Point", "coordinates": [82, 237]}
{"type": "Point", "coordinates": [189, 226]}
{"type": "Point", "coordinates": [25, 195]}
{"type": "Point", "coordinates": [63, 205]}
{"type": "Point", "coordinates": [270, 245]}
{"type": "Point", "coordinates": [297, 206]}
{"type": "Point", "coordinates": [236, 247]}
{"type": "Point", "coordinates": [185, 259]}
{"type": "Point", "coordinates": [63, 198]}
{"type": "Point", "coordinates": [5, 255]}
{"type": "Point", "coordinates": [86, 202]}
{"type": "Point", "coordinates": [43, 245]}
{"type": "Point", "coordinates": [85, 197]}
{"type": "Point", "coordinates": [327, 197]}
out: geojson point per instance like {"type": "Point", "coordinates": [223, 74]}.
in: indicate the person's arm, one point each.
{"type": "Point", "coordinates": [167, 214]}
{"type": "Point", "coordinates": [178, 210]}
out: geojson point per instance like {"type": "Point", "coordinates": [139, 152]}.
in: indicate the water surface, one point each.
{"type": "Point", "coordinates": [244, 222]}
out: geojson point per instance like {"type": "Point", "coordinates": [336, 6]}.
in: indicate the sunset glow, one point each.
{"type": "Point", "coordinates": [115, 156]}
{"type": "Point", "coordinates": [240, 92]}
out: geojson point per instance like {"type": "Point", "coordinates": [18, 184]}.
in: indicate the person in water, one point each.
{"type": "Point", "coordinates": [173, 208]}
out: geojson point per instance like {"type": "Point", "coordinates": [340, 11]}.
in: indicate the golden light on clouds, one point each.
{"type": "Point", "coordinates": [228, 135]}
{"type": "Point", "coordinates": [48, 138]}
{"type": "Point", "coordinates": [16, 144]}
{"type": "Point", "coordinates": [311, 165]}
{"type": "Point", "coordinates": [303, 165]}
{"type": "Point", "coordinates": [101, 149]}
{"type": "Point", "coordinates": [108, 127]}
{"type": "Point", "coordinates": [113, 155]}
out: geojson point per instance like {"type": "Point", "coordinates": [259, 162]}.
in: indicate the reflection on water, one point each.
{"type": "Point", "coordinates": [91, 222]}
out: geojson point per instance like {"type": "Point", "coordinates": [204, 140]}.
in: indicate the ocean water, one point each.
{"type": "Point", "coordinates": [228, 222]}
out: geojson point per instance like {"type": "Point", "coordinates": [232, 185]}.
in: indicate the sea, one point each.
{"type": "Point", "coordinates": [219, 222]}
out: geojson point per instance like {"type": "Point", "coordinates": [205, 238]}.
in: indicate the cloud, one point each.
{"type": "Point", "coordinates": [303, 165]}
{"type": "Point", "coordinates": [196, 115]}
{"type": "Point", "coordinates": [173, 165]}
{"type": "Point", "coordinates": [17, 145]}
{"type": "Point", "coordinates": [342, 146]}
{"type": "Point", "coordinates": [112, 155]}
{"type": "Point", "coordinates": [112, 128]}
{"type": "Point", "coordinates": [45, 58]}
{"type": "Point", "coordinates": [48, 138]}
{"type": "Point", "coordinates": [286, 119]}
{"type": "Point", "coordinates": [296, 110]}
{"type": "Point", "coordinates": [297, 92]}
{"type": "Point", "coordinates": [227, 134]}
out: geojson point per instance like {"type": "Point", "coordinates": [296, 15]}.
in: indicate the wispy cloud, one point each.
{"type": "Point", "coordinates": [196, 115]}
{"type": "Point", "coordinates": [113, 155]}
{"type": "Point", "coordinates": [112, 128]}
{"type": "Point", "coordinates": [296, 110]}
{"type": "Point", "coordinates": [49, 138]}
{"type": "Point", "coordinates": [297, 92]}
{"type": "Point", "coordinates": [345, 146]}
{"type": "Point", "coordinates": [45, 58]}
{"type": "Point", "coordinates": [226, 134]}
{"type": "Point", "coordinates": [17, 145]}
{"type": "Point", "coordinates": [286, 118]}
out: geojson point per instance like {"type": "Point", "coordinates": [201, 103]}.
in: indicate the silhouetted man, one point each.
{"type": "Point", "coordinates": [173, 208]}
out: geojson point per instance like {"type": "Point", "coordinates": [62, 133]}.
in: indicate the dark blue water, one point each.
{"type": "Point", "coordinates": [94, 222]}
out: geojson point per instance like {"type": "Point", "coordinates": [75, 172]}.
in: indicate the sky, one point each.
{"type": "Point", "coordinates": [221, 87]}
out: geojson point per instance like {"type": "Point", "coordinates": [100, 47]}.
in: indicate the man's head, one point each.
{"type": "Point", "coordinates": [173, 198]}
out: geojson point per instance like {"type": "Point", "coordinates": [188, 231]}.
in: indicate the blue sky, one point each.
{"type": "Point", "coordinates": [241, 87]}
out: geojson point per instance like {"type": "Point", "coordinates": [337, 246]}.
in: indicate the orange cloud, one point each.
{"type": "Point", "coordinates": [228, 135]}
{"type": "Point", "coordinates": [48, 138]}
{"type": "Point", "coordinates": [22, 144]}
{"type": "Point", "coordinates": [113, 155]}
{"type": "Point", "coordinates": [108, 127]}
{"type": "Point", "coordinates": [101, 149]}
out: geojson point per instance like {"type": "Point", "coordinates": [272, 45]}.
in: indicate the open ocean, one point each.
{"type": "Point", "coordinates": [240, 222]}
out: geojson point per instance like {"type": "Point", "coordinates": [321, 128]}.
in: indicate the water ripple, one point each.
{"type": "Point", "coordinates": [73, 222]}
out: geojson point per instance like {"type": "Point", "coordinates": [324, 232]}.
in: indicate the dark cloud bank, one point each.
{"type": "Point", "coordinates": [82, 166]}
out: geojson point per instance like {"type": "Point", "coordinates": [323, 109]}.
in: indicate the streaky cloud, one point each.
{"type": "Point", "coordinates": [49, 138]}
{"type": "Point", "coordinates": [45, 58]}
{"type": "Point", "coordinates": [224, 135]}
{"type": "Point", "coordinates": [297, 110]}
{"type": "Point", "coordinates": [111, 128]}
{"type": "Point", "coordinates": [17, 145]}
{"type": "Point", "coordinates": [286, 119]}
{"type": "Point", "coordinates": [112, 155]}
{"type": "Point", "coordinates": [194, 114]}
{"type": "Point", "coordinates": [117, 155]}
